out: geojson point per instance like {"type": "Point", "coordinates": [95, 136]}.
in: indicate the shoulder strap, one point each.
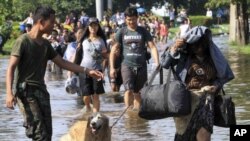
{"type": "Point", "coordinates": [143, 32]}
{"type": "Point", "coordinates": [123, 32]}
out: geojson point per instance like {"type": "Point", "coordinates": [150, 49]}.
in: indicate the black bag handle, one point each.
{"type": "Point", "coordinates": [151, 79]}
{"type": "Point", "coordinates": [157, 70]}
{"type": "Point", "coordinates": [223, 92]}
{"type": "Point", "coordinates": [176, 77]}
{"type": "Point", "coordinates": [149, 82]}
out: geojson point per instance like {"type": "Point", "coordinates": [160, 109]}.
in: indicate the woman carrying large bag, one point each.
{"type": "Point", "coordinates": [202, 67]}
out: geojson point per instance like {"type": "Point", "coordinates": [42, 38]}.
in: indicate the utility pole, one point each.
{"type": "Point", "coordinates": [99, 9]}
{"type": "Point", "coordinates": [110, 6]}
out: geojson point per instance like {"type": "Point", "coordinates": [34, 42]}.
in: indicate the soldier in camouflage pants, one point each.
{"type": "Point", "coordinates": [37, 121]}
{"type": "Point", "coordinates": [27, 67]}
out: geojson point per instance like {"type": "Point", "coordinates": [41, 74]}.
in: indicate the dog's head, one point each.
{"type": "Point", "coordinates": [98, 122]}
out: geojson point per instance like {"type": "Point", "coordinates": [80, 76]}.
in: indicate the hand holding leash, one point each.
{"type": "Point", "coordinates": [95, 74]}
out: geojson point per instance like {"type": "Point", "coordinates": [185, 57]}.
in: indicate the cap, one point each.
{"type": "Point", "coordinates": [93, 20]}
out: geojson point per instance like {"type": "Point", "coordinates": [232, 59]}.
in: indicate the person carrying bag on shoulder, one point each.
{"type": "Point", "coordinates": [202, 67]}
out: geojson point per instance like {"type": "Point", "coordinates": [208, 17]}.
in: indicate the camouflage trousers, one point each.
{"type": "Point", "coordinates": [34, 104]}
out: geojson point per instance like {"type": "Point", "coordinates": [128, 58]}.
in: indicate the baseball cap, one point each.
{"type": "Point", "coordinates": [93, 20]}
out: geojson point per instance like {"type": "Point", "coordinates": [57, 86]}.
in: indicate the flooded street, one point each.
{"type": "Point", "coordinates": [65, 107]}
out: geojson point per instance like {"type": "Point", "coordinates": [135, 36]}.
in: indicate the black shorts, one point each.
{"type": "Point", "coordinates": [90, 86]}
{"type": "Point", "coordinates": [134, 77]}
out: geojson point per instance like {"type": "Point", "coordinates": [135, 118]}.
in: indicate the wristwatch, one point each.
{"type": "Point", "coordinates": [86, 70]}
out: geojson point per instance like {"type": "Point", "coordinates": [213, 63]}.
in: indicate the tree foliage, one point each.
{"type": "Point", "coordinates": [222, 3]}
{"type": "Point", "coordinates": [5, 10]}
{"type": "Point", "coordinates": [217, 3]}
{"type": "Point", "coordinates": [5, 13]}
{"type": "Point", "coordinates": [19, 9]}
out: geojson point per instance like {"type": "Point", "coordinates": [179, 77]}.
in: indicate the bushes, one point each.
{"type": "Point", "coordinates": [6, 29]}
{"type": "Point", "coordinates": [201, 20]}
{"type": "Point", "coordinates": [5, 32]}
{"type": "Point", "coordinates": [10, 31]}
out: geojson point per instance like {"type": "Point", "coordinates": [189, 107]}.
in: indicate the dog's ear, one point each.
{"type": "Point", "coordinates": [106, 121]}
{"type": "Point", "coordinates": [89, 120]}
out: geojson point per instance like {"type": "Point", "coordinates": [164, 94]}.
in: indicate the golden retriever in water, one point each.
{"type": "Point", "coordinates": [96, 128]}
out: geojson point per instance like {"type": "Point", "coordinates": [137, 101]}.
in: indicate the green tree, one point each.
{"type": "Point", "coordinates": [5, 23]}
{"type": "Point", "coordinates": [5, 10]}
{"type": "Point", "coordinates": [239, 27]}
{"type": "Point", "coordinates": [20, 9]}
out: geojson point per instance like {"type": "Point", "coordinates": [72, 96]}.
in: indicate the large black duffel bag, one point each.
{"type": "Point", "coordinates": [171, 99]}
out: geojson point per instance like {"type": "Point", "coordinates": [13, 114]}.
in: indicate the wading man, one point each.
{"type": "Point", "coordinates": [29, 57]}
{"type": "Point", "coordinates": [131, 42]}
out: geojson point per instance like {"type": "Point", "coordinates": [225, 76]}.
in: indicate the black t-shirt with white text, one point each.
{"type": "Point", "coordinates": [133, 45]}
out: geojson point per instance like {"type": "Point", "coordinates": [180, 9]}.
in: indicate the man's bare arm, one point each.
{"type": "Point", "coordinates": [154, 52]}
{"type": "Point", "coordinates": [76, 68]}
{"type": "Point", "coordinates": [10, 99]}
{"type": "Point", "coordinates": [112, 58]}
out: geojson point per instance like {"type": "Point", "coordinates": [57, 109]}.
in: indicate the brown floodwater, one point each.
{"type": "Point", "coordinates": [65, 107]}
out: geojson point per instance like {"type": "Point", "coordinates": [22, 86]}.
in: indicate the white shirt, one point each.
{"type": "Point", "coordinates": [92, 53]}
{"type": "Point", "coordinates": [209, 13]}
{"type": "Point", "coordinates": [183, 29]}
{"type": "Point", "coordinates": [29, 21]}
{"type": "Point", "coordinates": [70, 51]}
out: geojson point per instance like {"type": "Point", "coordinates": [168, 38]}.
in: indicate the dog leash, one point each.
{"type": "Point", "coordinates": [119, 117]}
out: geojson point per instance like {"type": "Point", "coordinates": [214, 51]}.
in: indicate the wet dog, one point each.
{"type": "Point", "coordinates": [96, 128]}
